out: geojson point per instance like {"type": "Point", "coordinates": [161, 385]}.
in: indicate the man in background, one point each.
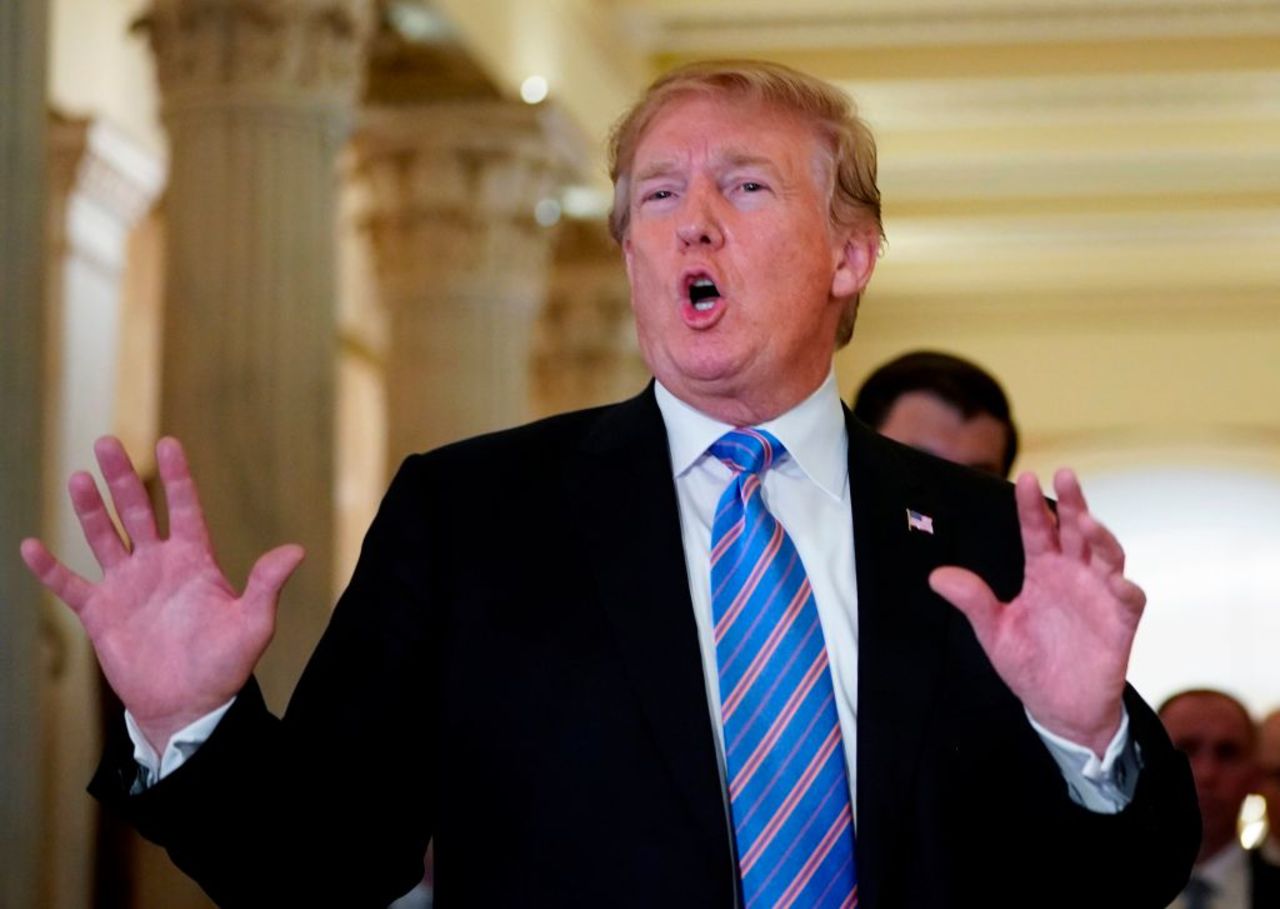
{"type": "Point", "coordinates": [942, 404]}
{"type": "Point", "coordinates": [1269, 781]}
{"type": "Point", "coordinates": [1220, 740]}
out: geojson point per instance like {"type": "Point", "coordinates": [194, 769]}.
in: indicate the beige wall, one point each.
{"type": "Point", "coordinates": [98, 68]}
{"type": "Point", "coordinates": [1101, 372]}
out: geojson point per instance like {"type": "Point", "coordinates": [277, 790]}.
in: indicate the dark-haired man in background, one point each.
{"type": "Point", "coordinates": [942, 404]}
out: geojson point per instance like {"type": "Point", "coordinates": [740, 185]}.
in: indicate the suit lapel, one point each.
{"type": "Point", "coordinates": [627, 502]}
{"type": "Point", "coordinates": [901, 629]}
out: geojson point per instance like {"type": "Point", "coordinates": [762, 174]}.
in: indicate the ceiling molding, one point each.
{"type": "Point", "coordinates": [726, 28]}
{"type": "Point", "coordinates": [1075, 173]}
{"type": "Point", "coordinates": [1127, 98]}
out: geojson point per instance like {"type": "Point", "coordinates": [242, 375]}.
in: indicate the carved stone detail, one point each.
{"type": "Point", "coordinates": [217, 51]}
{"type": "Point", "coordinates": [584, 350]}
{"type": "Point", "coordinates": [449, 193]}
{"type": "Point", "coordinates": [94, 164]}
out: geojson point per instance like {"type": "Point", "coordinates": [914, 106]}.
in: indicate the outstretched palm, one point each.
{"type": "Point", "coordinates": [1062, 644]}
{"type": "Point", "coordinates": [173, 638]}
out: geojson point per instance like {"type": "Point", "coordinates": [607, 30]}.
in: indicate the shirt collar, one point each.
{"type": "Point", "coordinates": [813, 433]}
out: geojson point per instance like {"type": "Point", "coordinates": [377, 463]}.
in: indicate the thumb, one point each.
{"type": "Point", "coordinates": [970, 594]}
{"type": "Point", "coordinates": [267, 578]}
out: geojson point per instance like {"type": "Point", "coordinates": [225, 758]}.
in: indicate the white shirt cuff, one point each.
{"type": "Point", "coordinates": [183, 744]}
{"type": "Point", "coordinates": [1105, 786]}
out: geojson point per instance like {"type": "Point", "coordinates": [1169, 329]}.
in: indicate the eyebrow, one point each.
{"type": "Point", "coordinates": [730, 158]}
{"type": "Point", "coordinates": [743, 158]}
{"type": "Point", "coordinates": [656, 169]}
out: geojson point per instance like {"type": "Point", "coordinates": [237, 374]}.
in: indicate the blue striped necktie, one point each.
{"type": "Point", "coordinates": [788, 790]}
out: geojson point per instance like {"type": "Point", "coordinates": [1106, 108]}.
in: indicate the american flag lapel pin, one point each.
{"type": "Point", "coordinates": [918, 521]}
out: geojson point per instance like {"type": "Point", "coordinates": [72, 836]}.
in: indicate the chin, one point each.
{"type": "Point", "coordinates": [711, 371]}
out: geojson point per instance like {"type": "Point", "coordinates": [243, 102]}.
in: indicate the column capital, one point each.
{"type": "Point", "coordinates": [487, 158]}
{"type": "Point", "coordinates": [258, 52]}
{"type": "Point", "coordinates": [584, 349]}
{"type": "Point", "coordinates": [446, 194]}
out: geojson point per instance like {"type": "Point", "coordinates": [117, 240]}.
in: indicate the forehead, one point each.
{"type": "Point", "coordinates": [1207, 718]}
{"type": "Point", "coordinates": [922, 418]}
{"type": "Point", "coordinates": [724, 126]}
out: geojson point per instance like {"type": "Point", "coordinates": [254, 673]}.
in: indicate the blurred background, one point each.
{"type": "Point", "coordinates": [310, 237]}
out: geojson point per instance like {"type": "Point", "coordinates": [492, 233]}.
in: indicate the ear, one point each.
{"type": "Point", "coordinates": [626, 252]}
{"type": "Point", "coordinates": [855, 263]}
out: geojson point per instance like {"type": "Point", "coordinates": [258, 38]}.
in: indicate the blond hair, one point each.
{"type": "Point", "coordinates": [851, 149]}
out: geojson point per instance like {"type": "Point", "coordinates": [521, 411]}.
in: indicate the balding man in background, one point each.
{"type": "Point", "coordinates": [1220, 740]}
{"type": "Point", "coordinates": [1269, 782]}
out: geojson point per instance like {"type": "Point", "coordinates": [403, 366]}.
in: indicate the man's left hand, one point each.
{"type": "Point", "coordinates": [1062, 644]}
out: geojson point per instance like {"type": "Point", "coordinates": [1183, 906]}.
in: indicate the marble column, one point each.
{"type": "Point", "coordinates": [447, 199]}
{"type": "Point", "coordinates": [100, 185]}
{"type": "Point", "coordinates": [585, 350]}
{"type": "Point", "coordinates": [23, 31]}
{"type": "Point", "coordinates": [257, 100]}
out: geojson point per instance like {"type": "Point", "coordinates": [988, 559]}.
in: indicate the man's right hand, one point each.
{"type": "Point", "coordinates": [174, 640]}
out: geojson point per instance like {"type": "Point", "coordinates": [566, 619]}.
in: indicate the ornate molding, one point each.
{"type": "Point", "coordinates": [720, 28]}
{"type": "Point", "coordinates": [264, 51]}
{"type": "Point", "coordinates": [1094, 98]}
{"type": "Point", "coordinates": [447, 194]}
{"type": "Point", "coordinates": [584, 347]}
{"type": "Point", "coordinates": [101, 183]}
{"type": "Point", "coordinates": [101, 163]}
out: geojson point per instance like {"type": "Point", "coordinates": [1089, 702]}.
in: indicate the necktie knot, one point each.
{"type": "Point", "coordinates": [748, 450]}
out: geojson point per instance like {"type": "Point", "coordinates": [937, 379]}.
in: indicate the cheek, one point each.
{"type": "Point", "coordinates": [634, 261]}
{"type": "Point", "coordinates": [804, 255]}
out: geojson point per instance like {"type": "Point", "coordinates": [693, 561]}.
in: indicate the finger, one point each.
{"type": "Point", "coordinates": [1130, 595]}
{"type": "Point", "coordinates": [57, 578]}
{"type": "Point", "coordinates": [186, 517]}
{"type": "Point", "coordinates": [265, 582]}
{"type": "Point", "coordinates": [127, 492]}
{"type": "Point", "coordinates": [99, 531]}
{"type": "Point", "coordinates": [1106, 552]}
{"type": "Point", "coordinates": [970, 594]}
{"type": "Point", "coordinates": [1039, 535]}
{"type": "Point", "coordinates": [1071, 510]}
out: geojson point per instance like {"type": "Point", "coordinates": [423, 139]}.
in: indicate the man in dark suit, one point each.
{"type": "Point", "coordinates": [1220, 739]}
{"type": "Point", "coordinates": [541, 660]}
{"type": "Point", "coordinates": [1269, 781]}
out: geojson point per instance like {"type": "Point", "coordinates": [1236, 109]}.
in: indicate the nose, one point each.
{"type": "Point", "coordinates": [1204, 769]}
{"type": "Point", "coordinates": [699, 224]}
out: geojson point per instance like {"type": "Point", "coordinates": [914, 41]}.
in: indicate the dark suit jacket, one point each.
{"type": "Point", "coordinates": [514, 669]}
{"type": "Point", "coordinates": [1264, 882]}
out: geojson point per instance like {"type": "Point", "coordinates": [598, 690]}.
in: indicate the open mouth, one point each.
{"type": "Point", "coordinates": [703, 293]}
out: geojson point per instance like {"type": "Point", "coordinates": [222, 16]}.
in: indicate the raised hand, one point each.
{"type": "Point", "coordinates": [173, 638]}
{"type": "Point", "coordinates": [1062, 645]}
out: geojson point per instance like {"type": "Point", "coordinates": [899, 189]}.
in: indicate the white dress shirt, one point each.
{"type": "Point", "coordinates": [1227, 872]}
